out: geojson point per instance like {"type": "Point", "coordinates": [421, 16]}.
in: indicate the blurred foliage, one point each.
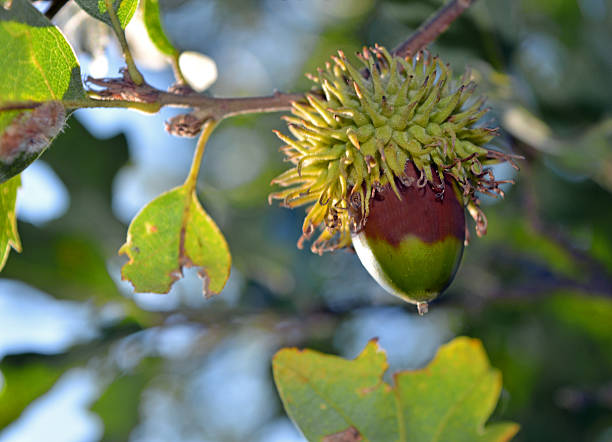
{"type": "Point", "coordinates": [536, 290]}
{"type": "Point", "coordinates": [118, 405]}
{"type": "Point", "coordinates": [25, 380]}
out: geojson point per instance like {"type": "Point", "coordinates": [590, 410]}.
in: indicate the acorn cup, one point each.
{"type": "Point", "coordinates": [386, 157]}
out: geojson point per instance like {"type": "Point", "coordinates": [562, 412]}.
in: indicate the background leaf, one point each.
{"type": "Point", "coordinates": [25, 379]}
{"type": "Point", "coordinates": [97, 8]}
{"type": "Point", "coordinates": [450, 399]}
{"type": "Point", "coordinates": [170, 233]}
{"type": "Point", "coordinates": [118, 405]}
{"type": "Point", "coordinates": [152, 21]}
{"type": "Point", "coordinates": [8, 221]}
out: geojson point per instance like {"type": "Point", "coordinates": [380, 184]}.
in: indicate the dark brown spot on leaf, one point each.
{"type": "Point", "coordinates": [349, 435]}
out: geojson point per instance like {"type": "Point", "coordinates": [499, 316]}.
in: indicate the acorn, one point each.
{"type": "Point", "coordinates": [413, 246]}
{"type": "Point", "coordinates": [387, 156]}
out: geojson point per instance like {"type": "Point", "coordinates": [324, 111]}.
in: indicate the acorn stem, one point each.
{"type": "Point", "coordinates": [422, 308]}
{"type": "Point", "coordinates": [432, 28]}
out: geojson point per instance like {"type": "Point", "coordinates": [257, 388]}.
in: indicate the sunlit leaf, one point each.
{"type": "Point", "coordinates": [38, 65]}
{"type": "Point", "coordinates": [172, 232]}
{"type": "Point", "coordinates": [97, 8]}
{"type": "Point", "coordinates": [8, 222]}
{"type": "Point", "coordinates": [152, 21]}
{"type": "Point", "coordinates": [450, 399]}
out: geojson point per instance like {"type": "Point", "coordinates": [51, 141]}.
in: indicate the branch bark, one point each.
{"type": "Point", "coordinates": [124, 93]}
{"type": "Point", "coordinates": [151, 100]}
{"type": "Point", "coordinates": [432, 28]}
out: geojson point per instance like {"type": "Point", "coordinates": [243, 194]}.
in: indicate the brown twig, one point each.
{"type": "Point", "coordinates": [123, 92]}
{"type": "Point", "coordinates": [433, 27]}
{"type": "Point", "coordinates": [149, 99]}
{"type": "Point", "coordinates": [227, 107]}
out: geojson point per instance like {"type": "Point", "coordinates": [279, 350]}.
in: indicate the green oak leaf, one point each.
{"type": "Point", "coordinates": [38, 65]}
{"type": "Point", "coordinates": [124, 9]}
{"type": "Point", "coordinates": [8, 221]}
{"type": "Point", "coordinates": [330, 398]}
{"type": "Point", "coordinates": [169, 233]}
{"type": "Point", "coordinates": [152, 21]}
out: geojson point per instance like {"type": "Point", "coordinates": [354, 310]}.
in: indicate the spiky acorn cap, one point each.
{"type": "Point", "coordinates": [360, 127]}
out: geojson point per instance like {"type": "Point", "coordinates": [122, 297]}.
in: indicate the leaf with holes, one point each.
{"type": "Point", "coordinates": [43, 68]}
{"type": "Point", "coordinates": [169, 233]}
{"type": "Point", "coordinates": [124, 9]}
{"type": "Point", "coordinates": [330, 398]}
{"type": "Point", "coordinates": [152, 21]}
{"type": "Point", "coordinates": [8, 221]}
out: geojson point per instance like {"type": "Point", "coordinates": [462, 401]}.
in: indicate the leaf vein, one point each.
{"type": "Point", "coordinates": [335, 407]}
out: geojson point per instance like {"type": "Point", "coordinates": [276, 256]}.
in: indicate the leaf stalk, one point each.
{"type": "Point", "coordinates": [135, 74]}
{"type": "Point", "coordinates": [207, 129]}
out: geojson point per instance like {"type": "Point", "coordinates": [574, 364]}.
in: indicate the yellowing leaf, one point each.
{"type": "Point", "coordinates": [8, 222]}
{"type": "Point", "coordinates": [450, 399]}
{"type": "Point", "coordinates": [172, 232]}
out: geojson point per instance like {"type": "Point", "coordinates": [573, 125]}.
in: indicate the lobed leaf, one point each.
{"type": "Point", "coordinates": [326, 395]}
{"type": "Point", "coordinates": [330, 398]}
{"type": "Point", "coordinates": [124, 9]}
{"type": "Point", "coordinates": [155, 29]}
{"type": "Point", "coordinates": [452, 398]}
{"type": "Point", "coordinates": [172, 232]}
{"type": "Point", "coordinates": [8, 221]}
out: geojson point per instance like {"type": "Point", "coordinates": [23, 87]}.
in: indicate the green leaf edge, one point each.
{"type": "Point", "coordinates": [12, 235]}
{"type": "Point", "coordinates": [155, 28]}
